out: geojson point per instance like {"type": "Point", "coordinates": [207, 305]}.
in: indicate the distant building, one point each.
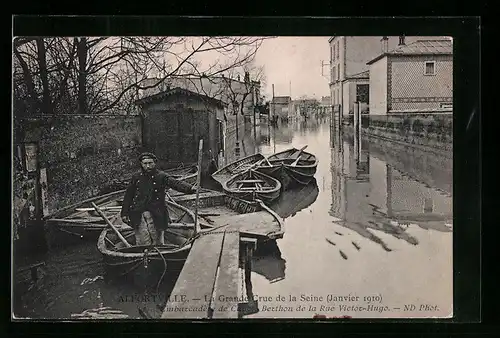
{"type": "Point", "coordinates": [281, 106]}
{"type": "Point", "coordinates": [417, 77]}
{"type": "Point", "coordinates": [325, 105]}
{"type": "Point", "coordinates": [349, 77]}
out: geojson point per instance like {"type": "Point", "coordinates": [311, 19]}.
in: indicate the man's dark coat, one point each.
{"type": "Point", "coordinates": [146, 192]}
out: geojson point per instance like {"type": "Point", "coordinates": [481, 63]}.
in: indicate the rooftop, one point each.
{"type": "Point", "coordinates": [420, 47]}
{"type": "Point", "coordinates": [177, 90]}
{"type": "Point", "coordinates": [362, 75]}
{"type": "Point", "coordinates": [282, 99]}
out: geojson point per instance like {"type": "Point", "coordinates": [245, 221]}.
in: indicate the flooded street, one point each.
{"type": "Point", "coordinates": [371, 235]}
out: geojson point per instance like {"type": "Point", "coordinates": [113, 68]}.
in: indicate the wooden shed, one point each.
{"type": "Point", "coordinates": [175, 120]}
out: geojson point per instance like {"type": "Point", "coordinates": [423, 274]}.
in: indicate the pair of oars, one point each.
{"type": "Point", "coordinates": [298, 156]}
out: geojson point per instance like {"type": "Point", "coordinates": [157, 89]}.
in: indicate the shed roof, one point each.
{"type": "Point", "coordinates": [282, 99]}
{"type": "Point", "coordinates": [176, 91]}
{"type": "Point", "coordinates": [362, 75]}
{"type": "Point", "coordinates": [420, 47]}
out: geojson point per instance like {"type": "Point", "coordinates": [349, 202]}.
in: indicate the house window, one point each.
{"type": "Point", "coordinates": [338, 73]}
{"type": "Point", "coordinates": [430, 68]}
{"type": "Point", "coordinates": [333, 52]}
{"type": "Point", "coordinates": [338, 47]}
{"type": "Point", "coordinates": [363, 93]}
{"type": "Point", "coordinates": [334, 73]}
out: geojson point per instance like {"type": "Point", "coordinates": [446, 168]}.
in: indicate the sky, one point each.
{"type": "Point", "coordinates": [289, 63]}
{"type": "Point", "coordinates": [295, 59]}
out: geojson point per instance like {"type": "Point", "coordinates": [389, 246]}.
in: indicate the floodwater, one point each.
{"type": "Point", "coordinates": [371, 237]}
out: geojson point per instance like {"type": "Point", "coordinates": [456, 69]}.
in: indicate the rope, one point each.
{"type": "Point", "coordinates": [164, 270]}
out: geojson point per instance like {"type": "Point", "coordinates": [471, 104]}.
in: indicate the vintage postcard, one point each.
{"type": "Point", "coordinates": [175, 177]}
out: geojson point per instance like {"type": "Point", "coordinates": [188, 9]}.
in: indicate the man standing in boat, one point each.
{"type": "Point", "coordinates": [144, 202]}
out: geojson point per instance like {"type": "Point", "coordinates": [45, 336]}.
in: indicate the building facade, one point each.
{"type": "Point", "coordinates": [349, 77]}
{"type": "Point", "coordinates": [281, 106]}
{"type": "Point", "coordinates": [417, 77]}
{"type": "Point", "coordinates": [325, 106]}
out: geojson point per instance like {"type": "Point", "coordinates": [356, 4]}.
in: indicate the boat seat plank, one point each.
{"type": "Point", "coordinates": [228, 280]}
{"type": "Point", "coordinates": [250, 181]}
{"type": "Point", "coordinates": [196, 279]}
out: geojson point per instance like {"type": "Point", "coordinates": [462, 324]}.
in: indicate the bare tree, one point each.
{"type": "Point", "coordinates": [102, 74]}
{"type": "Point", "coordinates": [242, 82]}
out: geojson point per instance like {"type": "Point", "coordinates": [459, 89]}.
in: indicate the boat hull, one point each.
{"type": "Point", "coordinates": [290, 174]}
{"type": "Point", "coordinates": [224, 174]}
{"type": "Point", "coordinates": [146, 260]}
{"type": "Point", "coordinates": [144, 269]}
{"type": "Point", "coordinates": [218, 208]}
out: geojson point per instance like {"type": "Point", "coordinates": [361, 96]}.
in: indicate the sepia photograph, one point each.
{"type": "Point", "coordinates": [232, 177]}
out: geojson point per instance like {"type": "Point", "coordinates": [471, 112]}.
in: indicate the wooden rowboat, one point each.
{"type": "Point", "coordinates": [224, 174]}
{"type": "Point", "coordinates": [251, 185]}
{"type": "Point", "coordinates": [120, 260]}
{"type": "Point", "coordinates": [253, 219]}
{"type": "Point", "coordinates": [186, 173]}
{"type": "Point", "coordinates": [78, 221]}
{"type": "Point", "coordinates": [291, 167]}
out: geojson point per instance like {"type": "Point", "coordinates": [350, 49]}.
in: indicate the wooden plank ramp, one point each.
{"type": "Point", "coordinates": [209, 283]}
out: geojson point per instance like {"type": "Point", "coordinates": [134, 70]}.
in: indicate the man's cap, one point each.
{"type": "Point", "coordinates": [148, 155]}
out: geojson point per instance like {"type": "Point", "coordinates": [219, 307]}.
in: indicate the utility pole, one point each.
{"type": "Point", "coordinates": [323, 64]}
{"type": "Point", "coordinates": [272, 103]}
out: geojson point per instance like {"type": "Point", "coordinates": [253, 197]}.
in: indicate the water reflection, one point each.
{"type": "Point", "coordinates": [370, 194]}
{"type": "Point", "coordinates": [292, 201]}
{"type": "Point", "coordinates": [269, 263]}
{"type": "Point", "coordinates": [380, 200]}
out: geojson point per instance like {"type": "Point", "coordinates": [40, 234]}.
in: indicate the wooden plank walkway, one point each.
{"type": "Point", "coordinates": [209, 283]}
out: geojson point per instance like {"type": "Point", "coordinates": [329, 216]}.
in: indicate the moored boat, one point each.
{"type": "Point", "coordinates": [81, 221]}
{"type": "Point", "coordinates": [224, 174]}
{"type": "Point", "coordinates": [253, 219]}
{"type": "Point", "coordinates": [251, 185]}
{"type": "Point", "coordinates": [291, 167]}
{"type": "Point", "coordinates": [137, 260]}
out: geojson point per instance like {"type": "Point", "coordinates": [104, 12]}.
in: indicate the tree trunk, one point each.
{"type": "Point", "coordinates": [64, 96]}
{"type": "Point", "coordinates": [42, 64]}
{"type": "Point", "coordinates": [82, 76]}
{"type": "Point", "coordinates": [30, 86]}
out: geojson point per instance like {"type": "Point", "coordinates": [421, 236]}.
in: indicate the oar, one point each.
{"type": "Point", "coordinates": [298, 156]}
{"type": "Point", "coordinates": [124, 241]}
{"type": "Point", "coordinates": [198, 183]}
{"type": "Point", "coordinates": [117, 207]}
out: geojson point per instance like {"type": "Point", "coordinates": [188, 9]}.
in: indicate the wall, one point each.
{"type": "Point", "coordinates": [426, 132]}
{"type": "Point", "coordinates": [378, 87]}
{"type": "Point", "coordinates": [83, 153]}
{"type": "Point", "coordinates": [411, 89]}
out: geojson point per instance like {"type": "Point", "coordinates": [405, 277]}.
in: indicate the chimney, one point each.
{"type": "Point", "coordinates": [385, 44]}
{"type": "Point", "coordinates": [401, 40]}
